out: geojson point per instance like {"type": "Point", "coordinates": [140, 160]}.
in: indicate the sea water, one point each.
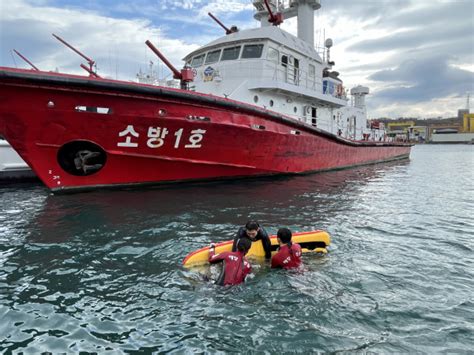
{"type": "Point", "coordinates": [101, 271]}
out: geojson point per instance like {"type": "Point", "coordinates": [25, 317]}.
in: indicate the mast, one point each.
{"type": "Point", "coordinates": [306, 20]}
{"type": "Point", "coordinates": [302, 9]}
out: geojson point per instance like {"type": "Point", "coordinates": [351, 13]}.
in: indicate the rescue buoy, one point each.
{"type": "Point", "coordinates": [339, 90]}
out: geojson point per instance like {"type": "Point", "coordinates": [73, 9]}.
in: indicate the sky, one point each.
{"type": "Point", "coordinates": [416, 56]}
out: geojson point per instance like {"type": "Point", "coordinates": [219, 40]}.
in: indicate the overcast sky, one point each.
{"type": "Point", "coordinates": [417, 56]}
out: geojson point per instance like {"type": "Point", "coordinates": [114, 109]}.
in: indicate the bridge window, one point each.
{"type": "Point", "coordinates": [231, 53]}
{"type": "Point", "coordinates": [273, 55]}
{"type": "Point", "coordinates": [252, 51]}
{"type": "Point", "coordinates": [197, 60]}
{"type": "Point", "coordinates": [213, 56]}
{"type": "Point", "coordinates": [296, 71]}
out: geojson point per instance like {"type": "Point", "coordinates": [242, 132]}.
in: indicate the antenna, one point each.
{"type": "Point", "coordinates": [228, 31]}
{"type": "Point", "coordinates": [26, 60]}
{"type": "Point", "coordinates": [91, 63]}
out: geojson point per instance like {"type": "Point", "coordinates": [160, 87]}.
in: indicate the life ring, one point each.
{"type": "Point", "coordinates": [339, 90]}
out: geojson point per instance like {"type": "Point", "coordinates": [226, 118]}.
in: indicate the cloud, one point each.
{"type": "Point", "coordinates": [412, 54]}
{"type": "Point", "coordinates": [368, 10]}
{"type": "Point", "coordinates": [113, 42]}
{"type": "Point", "coordinates": [418, 38]}
{"type": "Point", "coordinates": [424, 79]}
{"type": "Point", "coordinates": [227, 8]}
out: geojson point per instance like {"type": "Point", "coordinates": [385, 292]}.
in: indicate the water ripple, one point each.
{"type": "Point", "coordinates": [101, 271]}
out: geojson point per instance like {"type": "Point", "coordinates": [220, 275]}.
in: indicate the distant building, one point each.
{"type": "Point", "coordinates": [468, 123]}
{"type": "Point", "coordinates": [458, 129]}
{"type": "Point", "coordinates": [462, 133]}
{"type": "Point", "coordinates": [461, 113]}
{"type": "Point", "coordinates": [400, 130]}
{"type": "Point", "coordinates": [418, 134]}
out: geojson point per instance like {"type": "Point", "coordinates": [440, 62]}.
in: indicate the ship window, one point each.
{"type": "Point", "coordinates": [213, 56]}
{"type": "Point", "coordinates": [252, 51]}
{"type": "Point", "coordinates": [273, 55]}
{"type": "Point", "coordinates": [94, 109]}
{"type": "Point", "coordinates": [255, 99]}
{"type": "Point", "coordinates": [197, 60]}
{"type": "Point", "coordinates": [271, 103]}
{"type": "Point", "coordinates": [295, 109]}
{"type": "Point", "coordinates": [231, 53]}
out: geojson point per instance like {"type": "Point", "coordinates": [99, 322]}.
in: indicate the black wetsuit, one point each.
{"type": "Point", "coordinates": [262, 234]}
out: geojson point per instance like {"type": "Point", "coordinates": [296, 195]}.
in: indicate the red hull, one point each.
{"type": "Point", "coordinates": [155, 134]}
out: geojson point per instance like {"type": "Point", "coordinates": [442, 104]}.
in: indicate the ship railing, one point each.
{"type": "Point", "coordinates": [291, 74]}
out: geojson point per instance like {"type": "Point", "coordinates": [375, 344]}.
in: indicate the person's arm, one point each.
{"type": "Point", "coordinates": [236, 239]}
{"type": "Point", "coordinates": [213, 257]}
{"type": "Point", "coordinates": [267, 245]}
{"type": "Point", "coordinates": [247, 268]}
{"type": "Point", "coordinates": [234, 245]}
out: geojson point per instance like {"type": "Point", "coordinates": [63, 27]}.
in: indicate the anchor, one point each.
{"type": "Point", "coordinates": [82, 161]}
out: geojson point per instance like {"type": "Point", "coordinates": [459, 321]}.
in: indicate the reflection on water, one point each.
{"type": "Point", "coordinates": [227, 204]}
{"type": "Point", "coordinates": [101, 271]}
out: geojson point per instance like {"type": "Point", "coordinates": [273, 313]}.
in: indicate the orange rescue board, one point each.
{"type": "Point", "coordinates": [315, 241]}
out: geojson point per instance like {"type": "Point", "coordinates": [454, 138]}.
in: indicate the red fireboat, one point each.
{"type": "Point", "coordinates": [256, 102]}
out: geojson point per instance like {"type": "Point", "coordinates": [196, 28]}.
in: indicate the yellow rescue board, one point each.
{"type": "Point", "coordinates": [315, 241]}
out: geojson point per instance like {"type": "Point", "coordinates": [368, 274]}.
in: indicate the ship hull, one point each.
{"type": "Point", "coordinates": [77, 132]}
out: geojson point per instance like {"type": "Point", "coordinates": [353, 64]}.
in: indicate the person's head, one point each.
{"type": "Point", "coordinates": [244, 245]}
{"type": "Point", "coordinates": [284, 235]}
{"type": "Point", "coordinates": [252, 228]}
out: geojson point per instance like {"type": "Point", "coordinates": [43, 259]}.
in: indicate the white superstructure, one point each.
{"type": "Point", "coordinates": [271, 68]}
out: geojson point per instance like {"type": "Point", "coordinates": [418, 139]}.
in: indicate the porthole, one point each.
{"type": "Point", "coordinates": [271, 103]}
{"type": "Point", "coordinates": [255, 98]}
{"type": "Point", "coordinates": [295, 109]}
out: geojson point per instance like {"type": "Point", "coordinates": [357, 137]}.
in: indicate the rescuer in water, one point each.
{"type": "Point", "coordinates": [289, 254]}
{"type": "Point", "coordinates": [253, 232]}
{"type": "Point", "coordinates": [236, 266]}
